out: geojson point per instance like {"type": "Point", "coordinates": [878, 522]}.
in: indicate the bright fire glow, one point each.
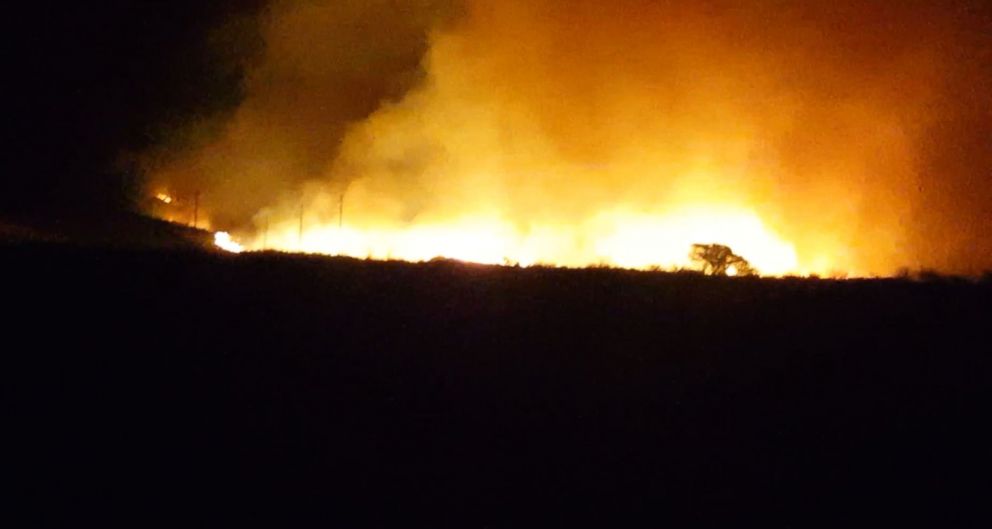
{"type": "Point", "coordinates": [224, 241]}
{"type": "Point", "coordinates": [162, 197]}
{"type": "Point", "coordinates": [594, 133]}
{"type": "Point", "coordinates": [618, 239]}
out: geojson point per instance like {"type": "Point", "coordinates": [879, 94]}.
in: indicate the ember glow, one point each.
{"type": "Point", "coordinates": [588, 133]}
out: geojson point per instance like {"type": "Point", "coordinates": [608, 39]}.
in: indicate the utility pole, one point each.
{"type": "Point", "coordinates": [341, 211]}
{"type": "Point", "coordinates": [299, 235]}
{"type": "Point", "coordinates": [196, 210]}
{"type": "Point", "coordinates": [265, 234]}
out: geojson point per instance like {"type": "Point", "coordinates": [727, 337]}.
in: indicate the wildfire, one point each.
{"type": "Point", "coordinates": [596, 133]}
{"type": "Point", "coordinates": [223, 240]}
{"type": "Point", "coordinates": [618, 239]}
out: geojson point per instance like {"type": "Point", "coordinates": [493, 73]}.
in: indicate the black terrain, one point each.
{"type": "Point", "coordinates": [200, 389]}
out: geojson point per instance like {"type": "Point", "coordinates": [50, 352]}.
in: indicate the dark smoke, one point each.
{"type": "Point", "coordinates": [326, 65]}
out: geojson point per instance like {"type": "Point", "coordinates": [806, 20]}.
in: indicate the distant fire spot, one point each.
{"type": "Point", "coordinates": [223, 240]}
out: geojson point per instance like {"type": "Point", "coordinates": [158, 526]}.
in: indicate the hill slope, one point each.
{"type": "Point", "coordinates": [371, 392]}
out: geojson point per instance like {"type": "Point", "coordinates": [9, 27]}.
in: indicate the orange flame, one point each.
{"type": "Point", "coordinates": [223, 240]}
{"type": "Point", "coordinates": [616, 238]}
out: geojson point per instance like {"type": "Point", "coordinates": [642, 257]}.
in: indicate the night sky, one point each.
{"type": "Point", "coordinates": [95, 80]}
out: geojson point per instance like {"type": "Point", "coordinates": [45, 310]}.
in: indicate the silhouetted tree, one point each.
{"type": "Point", "coordinates": [718, 260]}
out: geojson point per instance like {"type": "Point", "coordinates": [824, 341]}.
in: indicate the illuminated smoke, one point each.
{"type": "Point", "coordinates": [802, 134]}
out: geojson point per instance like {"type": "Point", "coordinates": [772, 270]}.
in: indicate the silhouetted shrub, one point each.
{"type": "Point", "coordinates": [720, 260]}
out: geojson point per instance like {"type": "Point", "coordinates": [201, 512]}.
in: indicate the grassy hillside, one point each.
{"type": "Point", "coordinates": [109, 228]}
{"type": "Point", "coordinates": [270, 387]}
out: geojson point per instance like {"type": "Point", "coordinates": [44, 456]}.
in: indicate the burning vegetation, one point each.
{"type": "Point", "coordinates": [587, 133]}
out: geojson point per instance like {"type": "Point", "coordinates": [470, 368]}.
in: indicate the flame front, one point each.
{"type": "Point", "coordinates": [223, 240]}
{"type": "Point", "coordinates": [615, 238]}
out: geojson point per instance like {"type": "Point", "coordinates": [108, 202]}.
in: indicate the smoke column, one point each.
{"type": "Point", "coordinates": [857, 131]}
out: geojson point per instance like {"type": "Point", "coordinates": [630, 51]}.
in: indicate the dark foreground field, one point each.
{"type": "Point", "coordinates": [194, 389]}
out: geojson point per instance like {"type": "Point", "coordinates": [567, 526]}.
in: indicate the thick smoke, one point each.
{"type": "Point", "coordinates": [858, 130]}
{"type": "Point", "coordinates": [325, 66]}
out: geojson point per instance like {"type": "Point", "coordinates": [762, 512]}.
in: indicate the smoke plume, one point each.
{"type": "Point", "coordinates": [857, 131]}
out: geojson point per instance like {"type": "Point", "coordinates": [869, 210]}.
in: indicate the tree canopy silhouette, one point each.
{"type": "Point", "coordinates": [720, 260]}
